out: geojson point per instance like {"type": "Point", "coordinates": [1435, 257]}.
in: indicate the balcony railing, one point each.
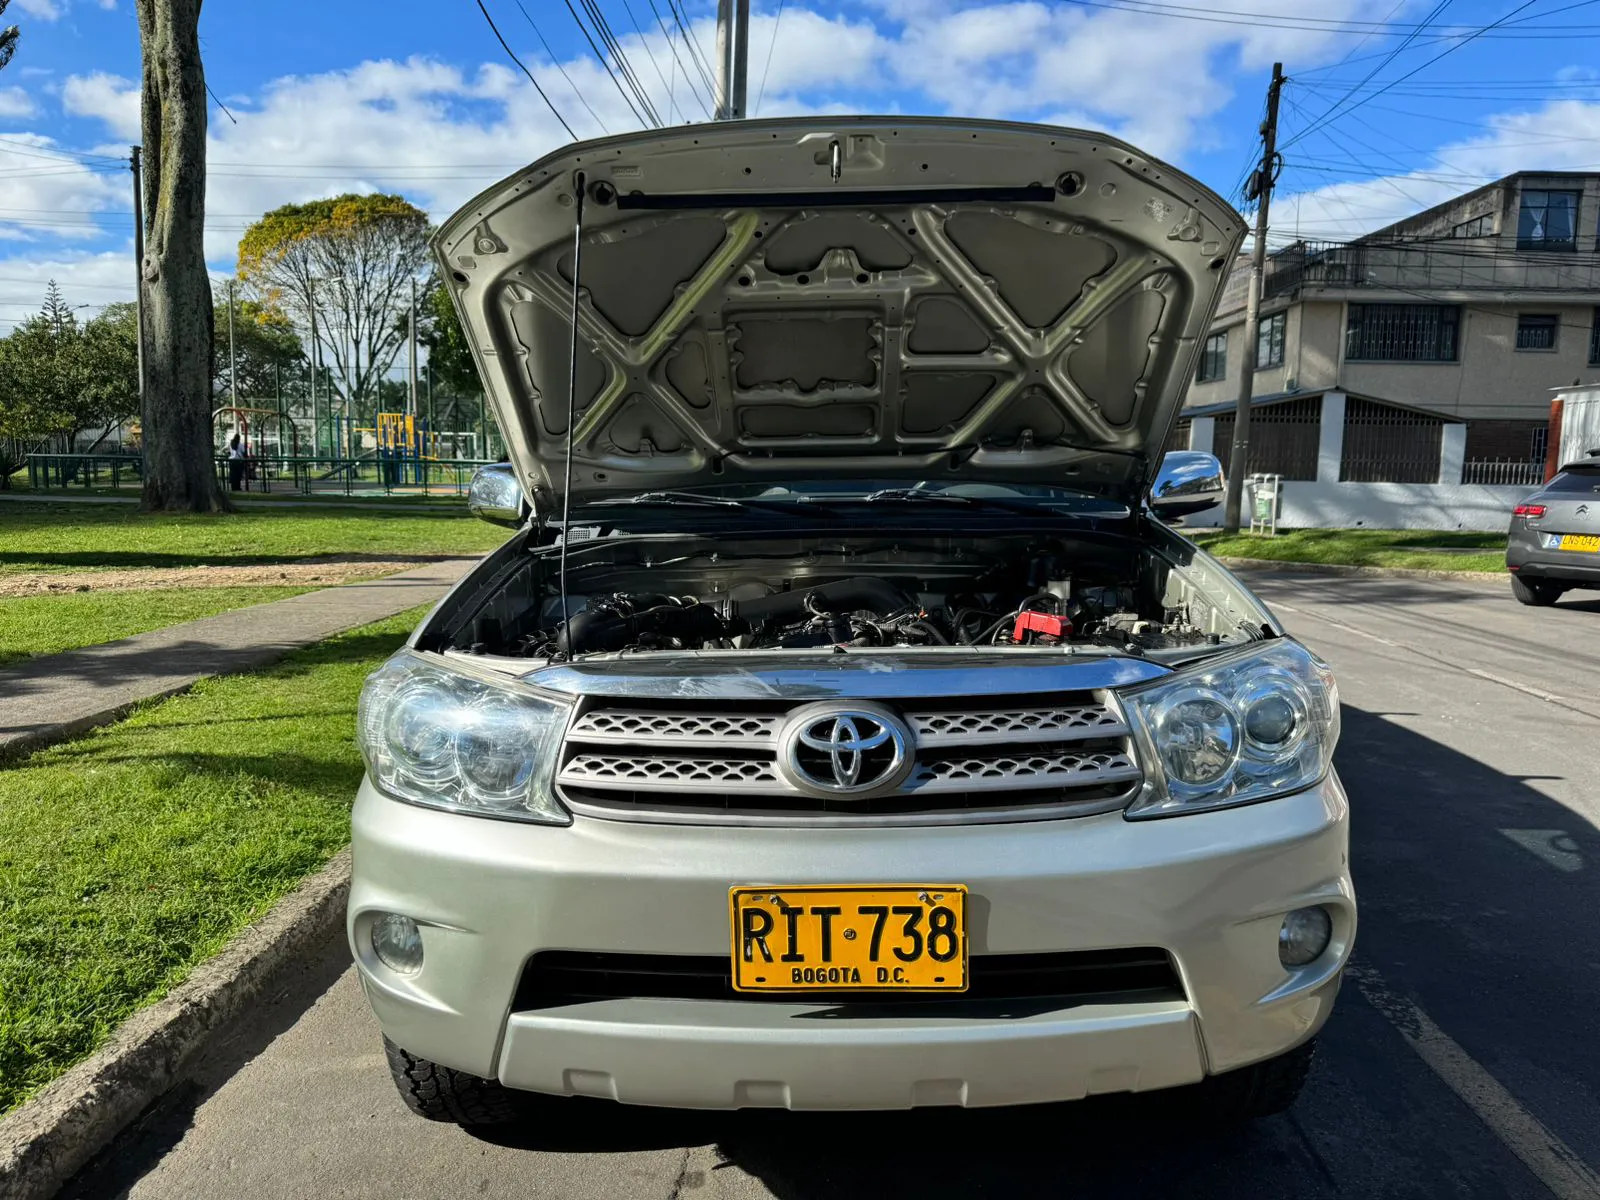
{"type": "Point", "coordinates": [1451, 264]}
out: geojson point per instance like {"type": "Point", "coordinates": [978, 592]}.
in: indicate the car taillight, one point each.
{"type": "Point", "coordinates": [1529, 510]}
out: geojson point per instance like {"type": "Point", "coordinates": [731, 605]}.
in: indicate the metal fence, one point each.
{"type": "Point", "coordinates": [1427, 266]}
{"type": "Point", "coordinates": [1520, 474]}
{"type": "Point", "coordinates": [1389, 445]}
{"type": "Point", "coordinates": [1283, 438]}
{"type": "Point", "coordinates": [303, 475]}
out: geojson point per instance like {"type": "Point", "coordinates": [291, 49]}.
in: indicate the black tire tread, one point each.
{"type": "Point", "coordinates": [1537, 592]}
{"type": "Point", "coordinates": [1263, 1089]}
{"type": "Point", "coordinates": [445, 1094]}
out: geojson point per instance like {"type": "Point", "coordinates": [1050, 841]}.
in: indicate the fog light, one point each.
{"type": "Point", "coordinates": [1304, 935]}
{"type": "Point", "coordinates": [397, 942]}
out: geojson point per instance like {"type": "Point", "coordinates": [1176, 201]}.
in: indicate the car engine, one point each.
{"type": "Point", "coordinates": [856, 594]}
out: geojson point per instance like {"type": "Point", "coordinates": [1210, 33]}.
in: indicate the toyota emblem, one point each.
{"type": "Point", "coordinates": [830, 750]}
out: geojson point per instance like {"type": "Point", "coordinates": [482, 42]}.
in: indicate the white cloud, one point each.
{"type": "Point", "coordinates": [1561, 136]}
{"type": "Point", "coordinates": [14, 102]}
{"type": "Point", "coordinates": [52, 194]}
{"type": "Point", "coordinates": [44, 10]}
{"type": "Point", "coordinates": [94, 280]}
{"type": "Point", "coordinates": [109, 98]}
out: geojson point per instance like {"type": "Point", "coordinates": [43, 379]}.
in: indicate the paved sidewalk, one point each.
{"type": "Point", "coordinates": [45, 699]}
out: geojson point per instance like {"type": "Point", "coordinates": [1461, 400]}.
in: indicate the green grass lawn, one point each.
{"type": "Point", "coordinates": [132, 854]}
{"type": "Point", "coordinates": [44, 537]}
{"type": "Point", "coordinates": [49, 624]}
{"type": "Point", "coordinates": [1452, 551]}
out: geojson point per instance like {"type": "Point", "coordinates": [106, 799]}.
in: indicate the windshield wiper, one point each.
{"type": "Point", "coordinates": [700, 500]}
{"type": "Point", "coordinates": [923, 495]}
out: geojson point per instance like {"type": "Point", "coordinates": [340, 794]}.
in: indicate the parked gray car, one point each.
{"type": "Point", "coordinates": [843, 726]}
{"type": "Point", "coordinates": [1555, 536]}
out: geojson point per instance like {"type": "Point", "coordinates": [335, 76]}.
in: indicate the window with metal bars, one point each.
{"type": "Point", "coordinates": [1269, 340]}
{"type": "Point", "coordinates": [1402, 332]}
{"type": "Point", "coordinates": [1537, 331]}
{"type": "Point", "coordinates": [1383, 444]}
{"type": "Point", "coordinates": [1594, 340]}
{"type": "Point", "coordinates": [1213, 359]}
{"type": "Point", "coordinates": [1283, 438]}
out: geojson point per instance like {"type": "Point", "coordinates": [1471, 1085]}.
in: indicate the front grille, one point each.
{"type": "Point", "coordinates": [559, 977]}
{"type": "Point", "coordinates": [995, 758]}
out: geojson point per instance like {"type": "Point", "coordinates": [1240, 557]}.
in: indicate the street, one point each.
{"type": "Point", "coordinates": [1463, 1058]}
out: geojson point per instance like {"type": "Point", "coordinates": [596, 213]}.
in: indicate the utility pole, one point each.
{"type": "Point", "coordinates": [733, 58]}
{"type": "Point", "coordinates": [137, 168]}
{"type": "Point", "coordinates": [233, 361]}
{"type": "Point", "coordinates": [411, 368]}
{"type": "Point", "coordinates": [1261, 192]}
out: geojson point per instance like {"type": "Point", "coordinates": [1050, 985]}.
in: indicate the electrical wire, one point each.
{"type": "Point", "coordinates": [1269, 20]}
{"type": "Point", "coordinates": [666, 33]}
{"type": "Point", "coordinates": [575, 89]}
{"type": "Point", "coordinates": [651, 54]}
{"type": "Point", "coordinates": [771, 46]}
{"type": "Point", "coordinates": [600, 55]}
{"type": "Point", "coordinates": [510, 53]}
{"type": "Point", "coordinates": [608, 36]}
{"type": "Point", "coordinates": [706, 74]}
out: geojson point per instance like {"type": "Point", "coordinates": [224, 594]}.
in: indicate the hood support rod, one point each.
{"type": "Point", "coordinates": [572, 390]}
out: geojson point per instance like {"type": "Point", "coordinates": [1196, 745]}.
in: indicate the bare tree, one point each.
{"type": "Point", "coordinates": [178, 447]}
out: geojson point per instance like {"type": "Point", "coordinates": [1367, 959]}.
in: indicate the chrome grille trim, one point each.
{"type": "Point", "coordinates": [1069, 754]}
{"type": "Point", "coordinates": [1010, 772]}
{"type": "Point", "coordinates": [742, 775]}
{"type": "Point", "coordinates": [939, 729]}
{"type": "Point", "coordinates": [632, 727]}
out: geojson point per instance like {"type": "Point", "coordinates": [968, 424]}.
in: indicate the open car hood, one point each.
{"type": "Point", "coordinates": [862, 297]}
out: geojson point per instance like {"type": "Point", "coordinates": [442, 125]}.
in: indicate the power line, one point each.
{"type": "Point", "coordinates": [622, 91]}
{"type": "Point", "coordinates": [1333, 108]}
{"type": "Point", "coordinates": [510, 53]}
{"type": "Point", "coordinates": [609, 38]}
{"type": "Point", "coordinates": [771, 46]}
{"type": "Point", "coordinates": [1448, 50]}
{"type": "Point", "coordinates": [666, 33]}
{"type": "Point", "coordinates": [1269, 20]}
{"type": "Point", "coordinates": [693, 47]}
{"type": "Point", "coordinates": [540, 35]}
{"type": "Point", "coordinates": [651, 54]}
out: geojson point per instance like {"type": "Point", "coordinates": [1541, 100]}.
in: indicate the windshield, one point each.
{"type": "Point", "coordinates": [837, 492]}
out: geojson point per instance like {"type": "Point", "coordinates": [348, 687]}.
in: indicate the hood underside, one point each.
{"type": "Point", "coordinates": [875, 298]}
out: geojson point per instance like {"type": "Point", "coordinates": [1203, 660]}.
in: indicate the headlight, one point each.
{"type": "Point", "coordinates": [448, 740]}
{"type": "Point", "coordinates": [1259, 724]}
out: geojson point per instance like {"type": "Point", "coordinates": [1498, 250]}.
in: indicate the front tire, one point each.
{"type": "Point", "coordinates": [444, 1094]}
{"type": "Point", "coordinates": [1537, 592]}
{"type": "Point", "coordinates": [1263, 1089]}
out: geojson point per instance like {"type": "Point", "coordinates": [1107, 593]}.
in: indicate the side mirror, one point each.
{"type": "Point", "coordinates": [496, 496]}
{"type": "Point", "coordinates": [1187, 482]}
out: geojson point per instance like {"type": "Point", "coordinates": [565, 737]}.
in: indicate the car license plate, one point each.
{"type": "Point", "coordinates": [885, 938]}
{"type": "Point", "coordinates": [1583, 543]}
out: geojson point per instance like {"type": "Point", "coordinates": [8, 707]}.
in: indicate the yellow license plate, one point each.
{"type": "Point", "coordinates": [1585, 543]}
{"type": "Point", "coordinates": [885, 938]}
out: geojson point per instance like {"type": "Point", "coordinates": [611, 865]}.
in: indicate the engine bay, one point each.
{"type": "Point", "coordinates": [697, 594]}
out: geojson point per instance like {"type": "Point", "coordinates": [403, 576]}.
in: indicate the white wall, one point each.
{"type": "Point", "coordinates": [1478, 507]}
{"type": "Point", "coordinates": [1580, 422]}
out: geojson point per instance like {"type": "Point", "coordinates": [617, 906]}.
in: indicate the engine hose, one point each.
{"type": "Point", "coordinates": [843, 596]}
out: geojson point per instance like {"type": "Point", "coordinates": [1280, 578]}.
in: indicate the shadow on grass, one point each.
{"type": "Point", "coordinates": [131, 559]}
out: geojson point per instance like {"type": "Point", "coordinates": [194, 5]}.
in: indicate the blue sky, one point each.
{"type": "Point", "coordinates": [399, 95]}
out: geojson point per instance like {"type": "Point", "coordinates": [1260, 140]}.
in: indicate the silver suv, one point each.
{"type": "Point", "coordinates": [844, 726]}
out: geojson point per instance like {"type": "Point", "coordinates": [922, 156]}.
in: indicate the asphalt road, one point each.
{"type": "Point", "coordinates": [1463, 1060]}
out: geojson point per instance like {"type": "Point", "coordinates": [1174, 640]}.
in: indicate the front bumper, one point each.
{"type": "Point", "coordinates": [1211, 889]}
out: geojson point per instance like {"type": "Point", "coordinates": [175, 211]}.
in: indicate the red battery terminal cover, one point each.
{"type": "Point", "coordinates": [1044, 624]}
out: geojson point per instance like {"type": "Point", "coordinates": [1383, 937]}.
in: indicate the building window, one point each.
{"type": "Point", "coordinates": [1213, 359]}
{"type": "Point", "coordinates": [1548, 220]}
{"type": "Point", "coordinates": [1594, 340]}
{"type": "Point", "coordinates": [1402, 333]}
{"type": "Point", "coordinates": [1477, 227]}
{"type": "Point", "coordinates": [1269, 340]}
{"type": "Point", "coordinates": [1536, 331]}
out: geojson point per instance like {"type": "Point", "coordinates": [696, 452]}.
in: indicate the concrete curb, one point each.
{"type": "Point", "coordinates": [1310, 568]}
{"type": "Point", "coordinates": [46, 1141]}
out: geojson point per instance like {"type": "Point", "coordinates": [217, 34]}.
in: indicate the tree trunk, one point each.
{"type": "Point", "coordinates": [180, 471]}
